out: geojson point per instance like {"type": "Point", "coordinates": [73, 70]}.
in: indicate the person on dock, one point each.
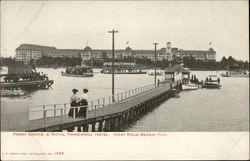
{"type": "Point", "coordinates": [83, 102]}
{"type": "Point", "coordinates": [74, 101]}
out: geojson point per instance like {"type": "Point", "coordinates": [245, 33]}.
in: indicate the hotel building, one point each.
{"type": "Point", "coordinates": [26, 52]}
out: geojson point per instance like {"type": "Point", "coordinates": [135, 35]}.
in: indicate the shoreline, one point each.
{"type": "Point", "coordinates": [192, 69]}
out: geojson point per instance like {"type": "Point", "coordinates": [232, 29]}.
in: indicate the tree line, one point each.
{"type": "Point", "coordinates": [223, 64]}
{"type": "Point", "coordinates": [189, 62]}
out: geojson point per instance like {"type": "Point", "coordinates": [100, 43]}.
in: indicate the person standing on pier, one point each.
{"type": "Point", "coordinates": [84, 102]}
{"type": "Point", "coordinates": [74, 101]}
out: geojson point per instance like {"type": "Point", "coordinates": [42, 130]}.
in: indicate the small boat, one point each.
{"type": "Point", "coordinates": [211, 82]}
{"type": "Point", "coordinates": [5, 92]}
{"type": "Point", "coordinates": [123, 72]}
{"type": "Point", "coordinates": [77, 75]}
{"type": "Point", "coordinates": [122, 68]}
{"type": "Point", "coordinates": [236, 73]}
{"type": "Point", "coordinates": [211, 85]}
{"type": "Point", "coordinates": [190, 86]}
{"type": "Point", "coordinates": [78, 71]}
{"type": "Point", "coordinates": [157, 74]}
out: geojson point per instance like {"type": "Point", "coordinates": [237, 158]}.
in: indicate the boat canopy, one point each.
{"type": "Point", "coordinates": [177, 69]}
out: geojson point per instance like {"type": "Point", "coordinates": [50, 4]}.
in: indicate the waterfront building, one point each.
{"type": "Point", "coordinates": [197, 54]}
{"type": "Point", "coordinates": [26, 52]}
{"type": "Point", "coordinates": [70, 53]}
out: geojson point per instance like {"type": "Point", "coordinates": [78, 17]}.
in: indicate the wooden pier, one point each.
{"type": "Point", "coordinates": [106, 114]}
{"type": "Point", "coordinates": [39, 84]}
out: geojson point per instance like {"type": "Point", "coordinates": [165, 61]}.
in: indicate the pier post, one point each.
{"type": "Point", "coordinates": [116, 122]}
{"type": "Point", "coordinates": [85, 127]}
{"type": "Point", "coordinates": [127, 116]}
{"type": "Point", "coordinates": [112, 123]}
{"type": "Point", "coordinates": [134, 113]}
{"type": "Point", "coordinates": [120, 120]}
{"type": "Point", "coordinates": [146, 107]}
{"type": "Point", "coordinates": [79, 129]}
{"type": "Point", "coordinates": [100, 126]}
{"type": "Point", "coordinates": [54, 110]}
{"type": "Point", "coordinates": [93, 126]}
{"type": "Point", "coordinates": [71, 129]}
{"type": "Point", "coordinates": [61, 120]}
{"type": "Point", "coordinates": [107, 125]}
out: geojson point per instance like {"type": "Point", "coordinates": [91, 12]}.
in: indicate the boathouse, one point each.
{"type": "Point", "coordinates": [177, 72]}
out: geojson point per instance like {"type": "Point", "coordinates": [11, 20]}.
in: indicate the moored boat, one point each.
{"type": "Point", "coordinates": [190, 86]}
{"type": "Point", "coordinates": [211, 85]}
{"type": "Point", "coordinates": [122, 68]}
{"type": "Point", "coordinates": [236, 73]}
{"type": "Point", "coordinates": [157, 74]}
{"type": "Point", "coordinates": [78, 71]}
{"type": "Point", "coordinates": [25, 77]}
{"type": "Point", "coordinates": [211, 82]}
{"type": "Point", "coordinates": [77, 75]}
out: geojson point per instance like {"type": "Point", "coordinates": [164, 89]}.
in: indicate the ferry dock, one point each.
{"type": "Point", "coordinates": [105, 114]}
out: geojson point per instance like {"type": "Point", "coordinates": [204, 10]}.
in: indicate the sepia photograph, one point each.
{"type": "Point", "coordinates": [124, 69]}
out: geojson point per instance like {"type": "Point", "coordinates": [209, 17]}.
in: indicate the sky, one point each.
{"type": "Point", "coordinates": [189, 25]}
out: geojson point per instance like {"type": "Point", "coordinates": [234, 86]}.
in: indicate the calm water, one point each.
{"type": "Point", "coordinates": [225, 109]}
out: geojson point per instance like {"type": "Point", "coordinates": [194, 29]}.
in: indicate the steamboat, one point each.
{"type": "Point", "coordinates": [122, 68]}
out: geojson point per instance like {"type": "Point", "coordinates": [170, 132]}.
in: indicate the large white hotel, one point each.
{"type": "Point", "coordinates": [26, 52]}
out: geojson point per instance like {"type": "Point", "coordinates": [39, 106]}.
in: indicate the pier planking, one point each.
{"type": "Point", "coordinates": [114, 113]}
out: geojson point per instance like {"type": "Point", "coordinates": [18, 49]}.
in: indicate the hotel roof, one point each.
{"type": "Point", "coordinates": [35, 47]}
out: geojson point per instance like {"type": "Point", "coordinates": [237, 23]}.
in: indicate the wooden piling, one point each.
{"type": "Point", "coordinates": [93, 126]}
{"type": "Point", "coordinates": [100, 125]}
{"type": "Point", "coordinates": [107, 125]}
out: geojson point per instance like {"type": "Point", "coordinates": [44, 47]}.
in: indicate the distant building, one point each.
{"type": "Point", "coordinates": [26, 52]}
{"type": "Point", "coordinates": [197, 54]}
{"type": "Point", "coordinates": [70, 53]}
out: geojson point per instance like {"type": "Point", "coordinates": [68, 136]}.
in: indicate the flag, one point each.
{"type": "Point", "coordinates": [127, 42]}
{"type": "Point", "coordinates": [210, 43]}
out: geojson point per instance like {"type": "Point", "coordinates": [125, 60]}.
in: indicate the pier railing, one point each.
{"type": "Point", "coordinates": [52, 110]}
{"type": "Point", "coordinates": [61, 110]}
